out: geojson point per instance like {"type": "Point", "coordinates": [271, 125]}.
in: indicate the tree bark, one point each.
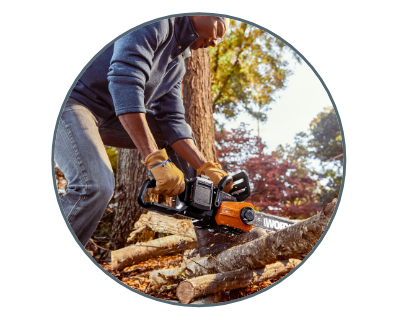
{"type": "Point", "coordinates": [144, 251]}
{"type": "Point", "coordinates": [130, 176]}
{"type": "Point", "coordinates": [214, 242]}
{"type": "Point", "coordinates": [213, 283]}
{"type": "Point", "coordinates": [210, 299]}
{"type": "Point", "coordinates": [293, 242]}
{"type": "Point", "coordinates": [196, 96]}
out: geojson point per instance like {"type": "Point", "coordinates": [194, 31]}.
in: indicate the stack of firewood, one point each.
{"type": "Point", "coordinates": [205, 274]}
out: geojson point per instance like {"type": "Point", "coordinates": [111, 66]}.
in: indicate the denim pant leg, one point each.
{"type": "Point", "coordinates": [80, 154]}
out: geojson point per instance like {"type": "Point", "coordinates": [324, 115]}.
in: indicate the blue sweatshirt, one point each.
{"type": "Point", "coordinates": [143, 68]}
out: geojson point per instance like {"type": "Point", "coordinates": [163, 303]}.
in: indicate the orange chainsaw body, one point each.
{"type": "Point", "coordinates": [228, 214]}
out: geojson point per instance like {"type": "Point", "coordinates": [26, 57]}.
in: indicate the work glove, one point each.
{"type": "Point", "coordinates": [214, 172]}
{"type": "Point", "coordinates": [170, 180]}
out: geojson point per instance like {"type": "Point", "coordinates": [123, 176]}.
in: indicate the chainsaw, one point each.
{"type": "Point", "coordinates": [211, 208]}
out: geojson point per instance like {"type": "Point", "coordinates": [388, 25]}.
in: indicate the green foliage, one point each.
{"type": "Point", "coordinates": [323, 144]}
{"type": "Point", "coordinates": [247, 68]}
{"type": "Point", "coordinates": [327, 146]}
{"type": "Point", "coordinates": [327, 140]}
{"type": "Point", "coordinates": [112, 153]}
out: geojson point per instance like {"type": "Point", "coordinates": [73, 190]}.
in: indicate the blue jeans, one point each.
{"type": "Point", "coordinates": [79, 152]}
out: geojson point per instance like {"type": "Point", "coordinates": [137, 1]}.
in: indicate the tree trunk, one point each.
{"type": "Point", "coordinates": [213, 283]}
{"type": "Point", "coordinates": [143, 251]}
{"type": "Point", "coordinates": [295, 241]}
{"type": "Point", "coordinates": [131, 174]}
{"type": "Point", "coordinates": [196, 95]}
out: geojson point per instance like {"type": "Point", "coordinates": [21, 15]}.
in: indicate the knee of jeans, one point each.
{"type": "Point", "coordinates": [103, 189]}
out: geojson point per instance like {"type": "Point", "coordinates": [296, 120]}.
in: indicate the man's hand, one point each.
{"type": "Point", "coordinates": [188, 151]}
{"type": "Point", "coordinates": [170, 180]}
{"type": "Point", "coordinates": [214, 172]}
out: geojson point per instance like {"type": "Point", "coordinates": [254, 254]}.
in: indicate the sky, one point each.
{"type": "Point", "coordinates": [293, 109]}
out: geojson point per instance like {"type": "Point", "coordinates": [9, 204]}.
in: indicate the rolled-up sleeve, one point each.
{"type": "Point", "coordinates": [169, 113]}
{"type": "Point", "coordinates": [130, 67]}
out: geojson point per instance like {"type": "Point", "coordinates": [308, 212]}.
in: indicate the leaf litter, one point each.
{"type": "Point", "coordinates": [137, 277]}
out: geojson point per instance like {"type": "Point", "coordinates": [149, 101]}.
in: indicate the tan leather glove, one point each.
{"type": "Point", "coordinates": [170, 180]}
{"type": "Point", "coordinates": [214, 172]}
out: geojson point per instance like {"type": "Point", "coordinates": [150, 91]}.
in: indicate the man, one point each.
{"type": "Point", "coordinates": [108, 105]}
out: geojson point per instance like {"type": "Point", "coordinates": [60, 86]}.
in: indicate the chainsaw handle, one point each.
{"type": "Point", "coordinates": [152, 205]}
{"type": "Point", "coordinates": [221, 185]}
{"type": "Point", "coordinates": [224, 181]}
{"type": "Point", "coordinates": [146, 185]}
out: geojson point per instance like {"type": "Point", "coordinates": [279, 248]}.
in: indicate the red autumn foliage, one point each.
{"type": "Point", "coordinates": [277, 187]}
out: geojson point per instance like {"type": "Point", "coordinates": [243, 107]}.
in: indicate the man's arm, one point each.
{"type": "Point", "coordinates": [131, 64]}
{"type": "Point", "coordinates": [138, 129]}
{"type": "Point", "coordinates": [188, 151]}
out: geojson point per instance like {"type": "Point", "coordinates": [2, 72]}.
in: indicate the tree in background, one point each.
{"type": "Point", "coordinates": [323, 143]}
{"type": "Point", "coordinates": [277, 186]}
{"type": "Point", "coordinates": [326, 145]}
{"type": "Point", "coordinates": [247, 69]}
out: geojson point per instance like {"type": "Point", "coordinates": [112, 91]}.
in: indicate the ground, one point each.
{"type": "Point", "coordinates": [137, 277]}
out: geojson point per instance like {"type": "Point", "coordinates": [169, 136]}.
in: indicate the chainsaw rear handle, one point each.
{"type": "Point", "coordinates": [152, 205]}
{"type": "Point", "coordinates": [221, 185]}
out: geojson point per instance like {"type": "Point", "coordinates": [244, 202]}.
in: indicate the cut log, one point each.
{"type": "Point", "coordinates": [165, 224]}
{"type": "Point", "coordinates": [136, 235]}
{"type": "Point", "coordinates": [208, 242]}
{"type": "Point", "coordinates": [212, 298]}
{"type": "Point", "coordinates": [143, 251]}
{"type": "Point", "coordinates": [214, 243]}
{"type": "Point", "coordinates": [295, 241]}
{"type": "Point", "coordinates": [213, 283]}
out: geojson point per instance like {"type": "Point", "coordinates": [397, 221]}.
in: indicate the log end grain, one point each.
{"type": "Point", "coordinates": [185, 292]}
